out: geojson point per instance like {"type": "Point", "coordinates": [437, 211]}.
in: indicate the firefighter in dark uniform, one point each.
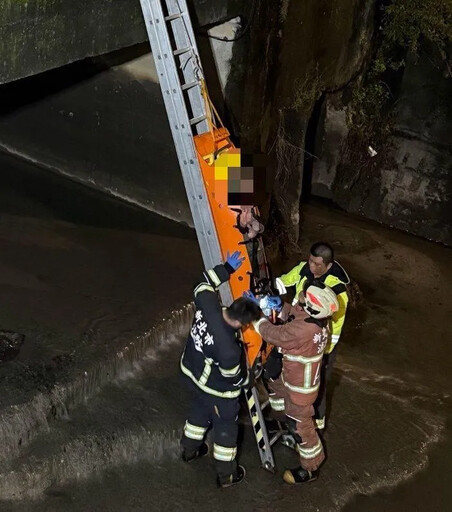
{"type": "Point", "coordinates": [214, 361]}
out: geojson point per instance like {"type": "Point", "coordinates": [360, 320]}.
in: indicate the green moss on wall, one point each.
{"type": "Point", "coordinates": [406, 25]}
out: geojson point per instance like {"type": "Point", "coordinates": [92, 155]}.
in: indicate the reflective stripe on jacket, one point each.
{"type": "Point", "coordinates": [213, 357]}
{"type": "Point", "coordinates": [302, 342]}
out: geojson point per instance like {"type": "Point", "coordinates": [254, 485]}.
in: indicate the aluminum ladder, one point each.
{"type": "Point", "coordinates": [181, 76]}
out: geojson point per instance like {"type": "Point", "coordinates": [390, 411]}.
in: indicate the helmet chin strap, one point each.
{"type": "Point", "coordinates": [303, 306]}
{"type": "Point", "coordinates": [308, 309]}
{"type": "Point", "coordinates": [320, 322]}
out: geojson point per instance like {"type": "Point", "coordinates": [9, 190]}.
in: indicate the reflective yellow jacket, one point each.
{"type": "Point", "coordinates": [336, 278]}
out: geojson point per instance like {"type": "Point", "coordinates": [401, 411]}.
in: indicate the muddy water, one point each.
{"type": "Point", "coordinates": [81, 277]}
{"type": "Point", "coordinates": [388, 435]}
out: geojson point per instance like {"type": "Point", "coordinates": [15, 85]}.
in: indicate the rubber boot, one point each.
{"type": "Point", "coordinates": [197, 454]}
{"type": "Point", "coordinates": [299, 476]}
{"type": "Point", "coordinates": [227, 481]}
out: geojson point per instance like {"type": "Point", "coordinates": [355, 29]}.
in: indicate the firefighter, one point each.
{"type": "Point", "coordinates": [322, 266]}
{"type": "Point", "coordinates": [302, 341]}
{"type": "Point", "coordinates": [214, 362]}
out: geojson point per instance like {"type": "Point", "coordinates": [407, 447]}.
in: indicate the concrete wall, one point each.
{"type": "Point", "coordinates": [109, 131]}
{"type": "Point", "coordinates": [408, 184]}
{"type": "Point", "coordinates": [38, 35]}
{"type": "Point", "coordinates": [106, 126]}
{"type": "Point", "coordinates": [102, 122]}
{"type": "Point", "coordinates": [332, 130]}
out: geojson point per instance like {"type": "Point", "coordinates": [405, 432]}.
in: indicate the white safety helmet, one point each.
{"type": "Point", "coordinates": [319, 300]}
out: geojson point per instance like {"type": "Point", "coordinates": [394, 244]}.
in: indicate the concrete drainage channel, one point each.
{"type": "Point", "coordinates": [61, 436]}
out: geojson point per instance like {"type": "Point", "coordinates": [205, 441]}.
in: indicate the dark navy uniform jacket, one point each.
{"type": "Point", "coordinates": [214, 357]}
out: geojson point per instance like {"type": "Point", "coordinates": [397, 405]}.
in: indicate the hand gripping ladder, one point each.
{"type": "Point", "coordinates": [181, 80]}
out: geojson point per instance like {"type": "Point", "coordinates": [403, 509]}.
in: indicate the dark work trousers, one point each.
{"type": "Point", "coordinates": [221, 413]}
{"type": "Point", "coordinates": [325, 377]}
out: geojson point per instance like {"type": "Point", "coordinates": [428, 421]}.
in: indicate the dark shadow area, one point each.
{"type": "Point", "coordinates": [310, 149]}
{"type": "Point", "coordinates": [208, 63]}
{"type": "Point", "coordinates": [333, 384]}
{"type": "Point", "coordinates": [232, 98]}
{"type": "Point", "coordinates": [29, 191]}
{"type": "Point", "coordinates": [18, 94]}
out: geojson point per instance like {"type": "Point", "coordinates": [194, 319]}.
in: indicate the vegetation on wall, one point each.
{"type": "Point", "coordinates": [307, 91]}
{"type": "Point", "coordinates": [406, 26]}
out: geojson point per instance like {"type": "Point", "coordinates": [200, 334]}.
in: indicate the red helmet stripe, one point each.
{"type": "Point", "coordinates": [314, 299]}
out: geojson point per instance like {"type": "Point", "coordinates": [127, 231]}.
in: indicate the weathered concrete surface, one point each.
{"type": "Point", "coordinates": [69, 283]}
{"type": "Point", "coordinates": [416, 192]}
{"type": "Point", "coordinates": [38, 35]}
{"type": "Point", "coordinates": [332, 130]}
{"type": "Point", "coordinates": [118, 449]}
{"type": "Point", "coordinates": [409, 183]}
{"type": "Point", "coordinates": [102, 122]}
{"type": "Point", "coordinates": [107, 129]}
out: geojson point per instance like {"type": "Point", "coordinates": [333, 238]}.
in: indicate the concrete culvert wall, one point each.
{"type": "Point", "coordinates": [103, 126]}
{"type": "Point", "coordinates": [103, 122]}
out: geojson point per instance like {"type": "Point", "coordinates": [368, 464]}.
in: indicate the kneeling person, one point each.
{"type": "Point", "coordinates": [214, 361]}
{"type": "Point", "coordinates": [302, 341]}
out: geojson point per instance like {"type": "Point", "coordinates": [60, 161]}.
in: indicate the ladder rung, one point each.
{"type": "Point", "coordinates": [191, 85]}
{"type": "Point", "coordinates": [265, 404]}
{"type": "Point", "coordinates": [275, 438]}
{"type": "Point", "coordinates": [197, 120]}
{"type": "Point", "coordinates": [172, 17]}
{"type": "Point", "coordinates": [180, 51]}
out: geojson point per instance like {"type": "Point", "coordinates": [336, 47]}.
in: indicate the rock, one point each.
{"type": "Point", "coordinates": [10, 344]}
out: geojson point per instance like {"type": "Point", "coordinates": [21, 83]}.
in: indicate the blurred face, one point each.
{"type": "Point", "coordinates": [317, 266]}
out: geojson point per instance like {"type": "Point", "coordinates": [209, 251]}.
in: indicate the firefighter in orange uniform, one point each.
{"type": "Point", "coordinates": [302, 341]}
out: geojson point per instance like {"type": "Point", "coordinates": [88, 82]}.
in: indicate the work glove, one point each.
{"type": "Point", "coordinates": [270, 303]}
{"type": "Point", "coordinates": [235, 260]}
{"type": "Point", "coordinates": [250, 295]}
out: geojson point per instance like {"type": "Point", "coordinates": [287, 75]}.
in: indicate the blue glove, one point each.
{"type": "Point", "coordinates": [250, 295]}
{"type": "Point", "coordinates": [275, 302]}
{"type": "Point", "coordinates": [235, 260]}
{"type": "Point", "coordinates": [270, 303]}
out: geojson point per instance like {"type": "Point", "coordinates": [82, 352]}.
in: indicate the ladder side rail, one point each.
{"type": "Point", "coordinates": [178, 116]}
{"type": "Point", "coordinates": [183, 137]}
{"type": "Point", "coordinates": [264, 444]}
{"type": "Point", "coordinates": [190, 62]}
